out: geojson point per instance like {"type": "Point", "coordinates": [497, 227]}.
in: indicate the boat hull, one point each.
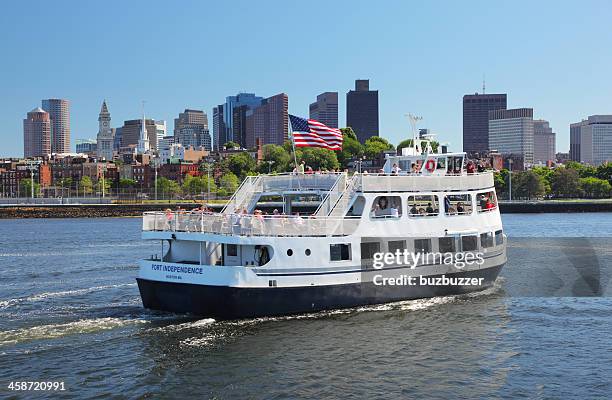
{"type": "Point", "coordinates": [224, 302]}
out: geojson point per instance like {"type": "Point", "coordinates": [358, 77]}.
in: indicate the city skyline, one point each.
{"type": "Point", "coordinates": [452, 60]}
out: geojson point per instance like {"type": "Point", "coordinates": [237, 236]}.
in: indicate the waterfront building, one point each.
{"type": "Point", "coordinates": [219, 130]}
{"type": "Point", "coordinates": [543, 142]}
{"type": "Point", "coordinates": [268, 123]}
{"type": "Point", "coordinates": [511, 134]}
{"type": "Point", "coordinates": [191, 129]}
{"type": "Point", "coordinates": [591, 140]}
{"type": "Point", "coordinates": [105, 139]}
{"type": "Point", "coordinates": [476, 109]}
{"type": "Point", "coordinates": [118, 136]}
{"type": "Point", "coordinates": [362, 110]}
{"type": "Point", "coordinates": [87, 146]}
{"type": "Point", "coordinates": [231, 102]}
{"type": "Point", "coordinates": [37, 134]}
{"type": "Point", "coordinates": [59, 113]}
{"type": "Point", "coordinates": [325, 109]}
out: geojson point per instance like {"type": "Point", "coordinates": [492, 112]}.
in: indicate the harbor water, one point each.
{"type": "Point", "coordinates": [70, 312]}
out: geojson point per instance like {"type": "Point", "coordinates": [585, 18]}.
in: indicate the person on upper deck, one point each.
{"type": "Point", "coordinates": [470, 167]}
{"type": "Point", "coordinates": [395, 170]}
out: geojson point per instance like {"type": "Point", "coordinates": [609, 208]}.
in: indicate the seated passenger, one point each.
{"type": "Point", "coordinates": [396, 169]}
{"type": "Point", "coordinates": [460, 208]}
{"type": "Point", "coordinates": [383, 207]}
{"type": "Point", "coordinates": [470, 167]}
{"type": "Point", "coordinates": [413, 210]}
{"type": "Point", "coordinates": [430, 209]}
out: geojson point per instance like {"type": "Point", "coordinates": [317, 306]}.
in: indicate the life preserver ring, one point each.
{"type": "Point", "coordinates": [430, 165]}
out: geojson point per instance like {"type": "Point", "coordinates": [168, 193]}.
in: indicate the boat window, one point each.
{"type": "Point", "coordinates": [307, 252]}
{"type": "Point", "coordinates": [422, 245]}
{"type": "Point", "coordinates": [395, 245]}
{"type": "Point", "coordinates": [486, 201]}
{"type": "Point", "coordinates": [232, 250]}
{"type": "Point", "coordinates": [423, 205]}
{"type": "Point", "coordinates": [499, 237]}
{"type": "Point", "coordinates": [386, 207]}
{"type": "Point", "coordinates": [447, 244]}
{"type": "Point", "coordinates": [289, 252]}
{"type": "Point", "coordinates": [469, 243]}
{"type": "Point", "coordinates": [455, 164]}
{"type": "Point", "coordinates": [368, 249]}
{"type": "Point", "coordinates": [458, 204]}
{"type": "Point", "coordinates": [340, 251]}
{"type": "Point", "coordinates": [441, 163]}
{"type": "Point", "coordinates": [486, 239]}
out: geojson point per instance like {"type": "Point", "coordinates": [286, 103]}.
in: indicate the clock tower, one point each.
{"type": "Point", "coordinates": [105, 134]}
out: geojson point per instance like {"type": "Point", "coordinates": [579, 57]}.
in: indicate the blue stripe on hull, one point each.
{"type": "Point", "coordinates": [222, 302]}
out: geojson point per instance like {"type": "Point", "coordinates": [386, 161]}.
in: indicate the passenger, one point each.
{"type": "Point", "coordinates": [383, 205]}
{"type": "Point", "coordinates": [395, 170]}
{"type": "Point", "coordinates": [460, 209]}
{"type": "Point", "coordinates": [298, 219]}
{"type": "Point", "coordinates": [301, 167]}
{"type": "Point", "coordinates": [470, 167]}
{"type": "Point", "coordinates": [413, 168]}
{"type": "Point", "coordinates": [169, 218]}
{"type": "Point", "coordinates": [483, 202]}
{"type": "Point", "coordinates": [413, 210]}
{"type": "Point", "coordinates": [489, 204]}
{"type": "Point", "coordinates": [481, 167]}
{"type": "Point", "coordinates": [430, 210]}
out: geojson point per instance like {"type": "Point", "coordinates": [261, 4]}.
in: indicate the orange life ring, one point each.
{"type": "Point", "coordinates": [430, 165]}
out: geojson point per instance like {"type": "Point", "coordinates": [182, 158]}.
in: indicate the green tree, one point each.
{"type": "Point", "coordinates": [545, 173]}
{"type": "Point", "coordinates": [564, 182]}
{"type": "Point", "coordinates": [107, 186]}
{"type": "Point", "coordinates": [351, 148]}
{"type": "Point", "coordinates": [167, 188]}
{"type": "Point", "coordinates": [500, 178]}
{"type": "Point", "coordinates": [228, 183]}
{"type": "Point", "coordinates": [275, 159]}
{"type": "Point", "coordinates": [604, 171]}
{"type": "Point", "coordinates": [376, 145]}
{"type": "Point", "coordinates": [126, 183]}
{"type": "Point", "coordinates": [584, 171]}
{"type": "Point", "coordinates": [86, 185]}
{"type": "Point", "coordinates": [595, 188]}
{"type": "Point", "coordinates": [231, 145]}
{"type": "Point", "coordinates": [241, 164]}
{"type": "Point", "coordinates": [527, 185]}
{"type": "Point", "coordinates": [197, 184]}
{"type": "Point", "coordinates": [64, 183]}
{"type": "Point", "coordinates": [25, 188]}
{"type": "Point", "coordinates": [318, 158]}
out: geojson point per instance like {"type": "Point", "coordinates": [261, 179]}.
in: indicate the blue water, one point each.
{"type": "Point", "coordinates": [70, 311]}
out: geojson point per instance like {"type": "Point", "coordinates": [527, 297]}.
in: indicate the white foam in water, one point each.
{"type": "Point", "coordinates": [54, 331]}
{"type": "Point", "coordinates": [48, 295]}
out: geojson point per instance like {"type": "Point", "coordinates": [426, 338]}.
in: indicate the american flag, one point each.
{"type": "Point", "coordinates": [311, 133]}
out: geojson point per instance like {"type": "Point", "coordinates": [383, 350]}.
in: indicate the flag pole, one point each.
{"type": "Point", "coordinates": [297, 170]}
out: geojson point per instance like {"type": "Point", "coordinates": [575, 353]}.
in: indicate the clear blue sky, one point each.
{"type": "Point", "coordinates": [554, 56]}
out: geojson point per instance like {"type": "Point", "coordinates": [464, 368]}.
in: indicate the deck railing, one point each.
{"type": "Point", "coordinates": [419, 183]}
{"type": "Point", "coordinates": [248, 225]}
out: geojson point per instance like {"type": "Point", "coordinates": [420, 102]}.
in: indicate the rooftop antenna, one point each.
{"type": "Point", "coordinates": [483, 83]}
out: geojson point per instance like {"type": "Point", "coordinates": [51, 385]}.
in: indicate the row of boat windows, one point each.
{"type": "Point", "coordinates": [431, 204]}
{"type": "Point", "coordinates": [447, 244]}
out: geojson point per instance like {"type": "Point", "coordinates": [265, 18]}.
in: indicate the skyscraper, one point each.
{"type": "Point", "coordinates": [37, 134]}
{"type": "Point", "coordinates": [246, 99]}
{"type": "Point", "coordinates": [191, 129]}
{"type": "Point", "coordinates": [59, 112]}
{"type": "Point", "coordinates": [591, 140]}
{"type": "Point", "coordinates": [362, 110]}
{"type": "Point", "coordinates": [511, 133]}
{"type": "Point", "coordinates": [131, 133]}
{"type": "Point", "coordinates": [105, 139]}
{"type": "Point", "coordinates": [476, 109]}
{"type": "Point", "coordinates": [325, 109]}
{"type": "Point", "coordinates": [543, 142]}
{"type": "Point", "coordinates": [219, 132]}
{"type": "Point", "coordinates": [268, 122]}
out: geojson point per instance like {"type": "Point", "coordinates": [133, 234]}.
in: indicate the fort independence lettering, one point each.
{"type": "Point", "coordinates": [176, 268]}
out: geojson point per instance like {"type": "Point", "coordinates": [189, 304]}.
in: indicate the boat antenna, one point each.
{"type": "Point", "coordinates": [413, 123]}
{"type": "Point", "coordinates": [483, 83]}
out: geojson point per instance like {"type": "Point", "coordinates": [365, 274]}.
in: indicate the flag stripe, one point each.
{"type": "Point", "coordinates": [312, 133]}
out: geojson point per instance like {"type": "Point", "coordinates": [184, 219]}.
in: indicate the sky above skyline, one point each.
{"type": "Point", "coordinates": [553, 56]}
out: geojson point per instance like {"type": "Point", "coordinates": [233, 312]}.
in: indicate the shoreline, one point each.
{"type": "Point", "coordinates": [26, 211]}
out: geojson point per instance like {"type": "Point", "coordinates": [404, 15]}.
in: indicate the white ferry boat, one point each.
{"type": "Point", "coordinates": [241, 263]}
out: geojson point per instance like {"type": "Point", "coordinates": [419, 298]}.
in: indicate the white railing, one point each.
{"type": "Point", "coordinates": [341, 206]}
{"type": "Point", "coordinates": [242, 196]}
{"type": "Point", "coordinates": [423, 183]}
{"type": "Point", "coordinates": [248, 225]}
{"type": "Point", "coordinates": [332, 196]}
